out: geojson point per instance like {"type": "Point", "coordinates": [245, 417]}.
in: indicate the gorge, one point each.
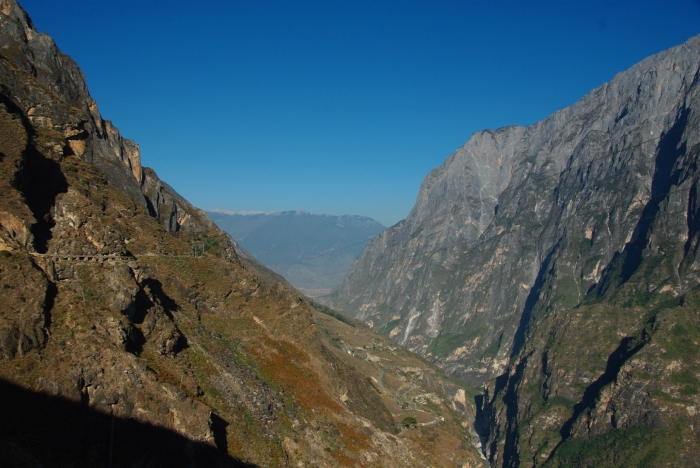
{"type": "Point", "coordinates": [539, 306]}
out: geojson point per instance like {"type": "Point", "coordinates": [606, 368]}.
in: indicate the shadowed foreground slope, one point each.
{"type": "Point", "coordinates": [51, 431]}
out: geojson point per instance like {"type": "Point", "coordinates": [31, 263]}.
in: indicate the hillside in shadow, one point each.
{"type": "Point", "coordinates": [50, 431]}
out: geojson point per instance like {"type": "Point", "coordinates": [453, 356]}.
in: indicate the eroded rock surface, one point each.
{"type": "Point", "coordinates": [523, 236]}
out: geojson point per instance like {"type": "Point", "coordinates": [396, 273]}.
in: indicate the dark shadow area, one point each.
{"type": "Point", "coordinates": [42, 430]}
{"type": "Point", "coordinates": [150, 295]}
{"type": "Point", "coordinates": [510, 398]}
{"type": "Point", "coordinates": [169, 306]}
{"type": "Point", "coordinates": [691, 248]}
{"type": "Point", "coordinates": [506, 385]}
{"type": "Point", "coordinates": [135, 341]}
{"type": "Point", "coordinates": [485, 418]}
{"type": "Point", "coordinates": [167, 302]}
{"type": "Point", "coordinates": [481, 420]}
{"type": "Point", "coordinates": [670, 150]}
{"type": "Point", "coordinates": [181, 344]}
{"type": "Point", "coordinates": [530, 302]}
{"type": "Point", "coordinates": [39, 180]}
{"type": "Point", "coordinates": [218, 427]}
{"type": "Point", "coordinates": [693, 218]}
{"type": "Point", "coordinates": [137, 313]}
{"type": "Point", "coordinates": [138, 310]}
{"type": "Point", "coordinates": [49, 300]}
{"type": "Point", "coordinates": [622, 115]}
{"type": "Point", "coordinates": [149, 206]}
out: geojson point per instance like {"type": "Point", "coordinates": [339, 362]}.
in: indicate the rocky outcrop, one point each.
{"type": "Point", "coordinates": [539, 261]}
{"type": "Point", "coordinates": [173, 211]}
{"type": "Point", "coordinates": [50, 89]}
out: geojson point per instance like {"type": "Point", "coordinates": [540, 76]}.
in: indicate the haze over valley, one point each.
{"type": "Point", "coordinates": [312, 251]}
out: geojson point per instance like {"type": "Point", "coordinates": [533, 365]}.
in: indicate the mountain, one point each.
{"type": "Point", "coordinates": [312, 251]}
{"type": "Point", "coordinates": [557, 266]}
{"type": "Point", "coordinates": [119, 347]}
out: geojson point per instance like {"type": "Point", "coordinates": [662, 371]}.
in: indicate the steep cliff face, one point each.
{"type": "Point", "coordinates": [121, 348]}
{"type": "Point", "coordinates": [561, 258]}
{"type": "Point", "coordinates": [56, 98]}
{"type": "Point", "coordinates": [486, 221]}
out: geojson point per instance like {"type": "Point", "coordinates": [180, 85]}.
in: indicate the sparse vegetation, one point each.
{"type": "Point", "coordinates": [635, 447]}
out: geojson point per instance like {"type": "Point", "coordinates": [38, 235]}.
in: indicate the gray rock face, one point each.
{"type": "Point", "coordinates": [37, 55]}
{"type": "Point", "coordinates": [565, 195]}
{"type": "Point", "coordinates": [173, 211]}
{"type": "Point", "coordinates": [557, 265]}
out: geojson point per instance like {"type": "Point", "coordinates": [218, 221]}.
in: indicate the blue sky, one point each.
{"type": "Point", "coordinates": [339, 107]}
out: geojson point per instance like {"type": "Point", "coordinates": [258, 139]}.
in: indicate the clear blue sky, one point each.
{"type": "Point", "coordinates": [339, 107]}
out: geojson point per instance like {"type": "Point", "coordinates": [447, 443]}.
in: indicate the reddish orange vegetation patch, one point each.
{"type": "Point", "coordinates": [353, 442]}
{"type": "Point", "coordinates": [202, 266]}
{"type": "Point", "coordinates": [283, 366]}
{"type": "Point", "coordinates": [440, 447]}
{"type": "Point", "coordinates": [342, 457]}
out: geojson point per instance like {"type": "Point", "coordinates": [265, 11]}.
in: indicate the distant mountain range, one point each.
{"type": "Point", "coordinates": [312, 251]}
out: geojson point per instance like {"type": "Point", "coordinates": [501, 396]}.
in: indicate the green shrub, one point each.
{"type": "Point", "coordinates": [409, 421]}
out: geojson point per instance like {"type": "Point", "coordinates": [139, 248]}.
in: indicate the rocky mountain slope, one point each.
{"type": "Point", "coordinates": [312, 251]}
{"type": "Point", "coordinates": [557, 265]}
{"type": "Point", "coordinates": [120, 348]}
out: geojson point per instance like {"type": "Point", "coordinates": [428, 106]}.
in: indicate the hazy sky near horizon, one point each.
{"type": "Point", "coordinates": [339, 107]}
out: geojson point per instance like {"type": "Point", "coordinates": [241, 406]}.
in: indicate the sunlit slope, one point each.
{"type": "Point", "coordinates": [120, 347]}
{"type": "Point", "coordinates": [557, 265]}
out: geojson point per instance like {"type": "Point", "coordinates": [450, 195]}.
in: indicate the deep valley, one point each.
{"type": "Point", "coordinates": [539, 306]}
